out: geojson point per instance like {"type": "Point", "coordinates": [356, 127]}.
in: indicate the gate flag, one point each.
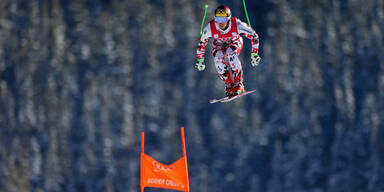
{"type": "Point", "coordinates": [158, 175]}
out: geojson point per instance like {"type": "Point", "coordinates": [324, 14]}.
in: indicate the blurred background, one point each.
{"type": "Point", "coordinates": [80, 79]}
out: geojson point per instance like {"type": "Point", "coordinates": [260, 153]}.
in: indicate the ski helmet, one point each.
{"type": "Point", "coordinates": [223, 11]}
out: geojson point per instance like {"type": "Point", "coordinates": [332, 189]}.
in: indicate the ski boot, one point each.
{"type": "Point", "coordinates": [237, 90]}
{"type": "Point", "coordinates": [229, 90]}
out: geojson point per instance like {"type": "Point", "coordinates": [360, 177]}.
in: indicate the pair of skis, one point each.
{"type": "Point", "coordinates": [228, 99]}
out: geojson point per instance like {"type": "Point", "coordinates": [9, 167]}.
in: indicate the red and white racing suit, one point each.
{"type": "Point", "coordinates": [226, 47]}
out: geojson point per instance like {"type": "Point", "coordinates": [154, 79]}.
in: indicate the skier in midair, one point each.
{"type": "Point", "coordinates": [227, 44]}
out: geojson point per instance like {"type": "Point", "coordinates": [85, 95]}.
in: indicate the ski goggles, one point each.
{"type": "Point", "coordinates": [221, 19]}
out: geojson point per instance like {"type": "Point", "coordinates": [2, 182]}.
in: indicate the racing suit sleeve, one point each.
{"type": "Point", "coordinates": [200, 51]}
{"type": "Point", "coordinates": [248, 32]}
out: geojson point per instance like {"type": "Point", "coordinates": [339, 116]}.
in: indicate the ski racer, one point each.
{"type": "Point", "coordinates": [226, 46]}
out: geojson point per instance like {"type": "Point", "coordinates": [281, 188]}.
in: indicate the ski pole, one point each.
{"type": "Point", "coordinates": [246, 14]}
{"type": "Point", "coordinates": [202, 22]}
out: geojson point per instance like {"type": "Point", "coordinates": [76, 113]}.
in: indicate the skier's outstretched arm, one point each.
{"type": "Point", "coordinates": [200, 51]}
{"type": "Point", "coordinates": [248, 32]}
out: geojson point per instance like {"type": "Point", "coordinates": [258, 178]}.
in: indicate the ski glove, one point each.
{"type": "Point", "coordinates": [200, 64]}
{"type": "Point", "coordinates": [255, 59]}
